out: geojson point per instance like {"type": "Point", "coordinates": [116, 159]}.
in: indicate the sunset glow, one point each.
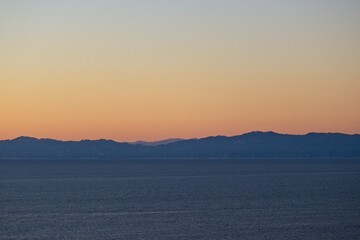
{"type": "Point", "coordinates": [149, 70]}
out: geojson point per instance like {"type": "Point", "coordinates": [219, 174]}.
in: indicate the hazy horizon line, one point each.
{"type": "Point", "coordinates": [170, 138]}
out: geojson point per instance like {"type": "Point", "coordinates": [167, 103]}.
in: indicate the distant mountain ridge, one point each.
{"type": "Point", "coordinates": [156, 143]}
{"type": "Point", "coordinates": [248, 145]}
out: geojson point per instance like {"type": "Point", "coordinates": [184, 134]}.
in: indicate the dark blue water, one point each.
{"type": "Point", "coordinates": [180, 199]}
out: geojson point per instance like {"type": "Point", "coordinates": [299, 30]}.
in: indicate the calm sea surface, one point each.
{"type": "Point", "coordinates": [180, 199]}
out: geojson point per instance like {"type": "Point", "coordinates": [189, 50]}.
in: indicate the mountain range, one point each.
{"type": "Point", "coordinates": [248, 145]}
{"type": "Point", "coordinates": [157, 143]}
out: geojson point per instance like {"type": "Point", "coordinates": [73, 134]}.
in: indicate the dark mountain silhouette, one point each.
{"type": "Point", "coordinates": [249, 145]}
{"type": "Point", "coordinates": [156, 143]}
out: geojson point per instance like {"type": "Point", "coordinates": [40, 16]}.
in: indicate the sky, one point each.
{"type": "Point", "coordinates": [155, 69]}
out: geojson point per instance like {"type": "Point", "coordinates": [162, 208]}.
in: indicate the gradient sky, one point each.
{"type": "Point", "coordinates": [154, 69]}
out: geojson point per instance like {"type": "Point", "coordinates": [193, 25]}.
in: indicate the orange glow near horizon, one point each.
{"type": "Point", "coordinates": [174, 73]}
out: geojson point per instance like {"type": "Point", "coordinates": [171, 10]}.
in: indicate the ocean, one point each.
{"type": "Point", "coordinates": [180, 199]}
